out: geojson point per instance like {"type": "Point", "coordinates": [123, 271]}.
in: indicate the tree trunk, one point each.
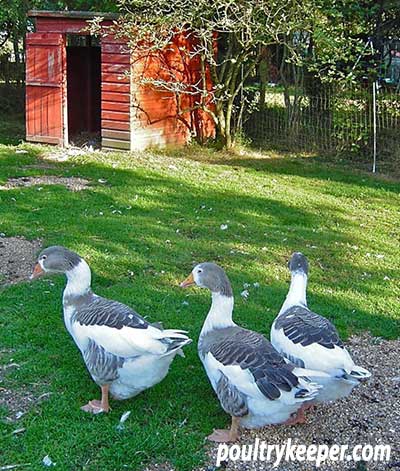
{"type": "Point", "coordinates": [17, 59]}
{"type": "Point", "coordinates": [221, 124]}
{"type": "Point", "coordinates": [228, 128]}
{"type": "Point", "coordinates": [224, 125]}
{"type": "Point", "coordinates": [263, 68]}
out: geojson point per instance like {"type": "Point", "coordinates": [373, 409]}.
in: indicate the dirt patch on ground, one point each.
{"type": "Point", "coordinates": [39, 166]}
{"type": "Point", "coordinates": [17, 257]}
{"type": "Point", "coordinates": [371, 415]}
{"type": "Point", "coordinates": [19, 402]}
{"type": "Point", "coordinates": [72, 183]}
{"type": "Point", "coordinates": [16, 402]}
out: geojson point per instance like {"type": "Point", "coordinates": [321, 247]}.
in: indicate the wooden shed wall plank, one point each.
{"type": "Point", "coordinates": [117, 125]}
{"type": "Point", "coordinates": [116, 68]}
{"type": "Point", "coordinates": [114, 78]}
{"type": "Point", "coordinates": [115, 106]}
{"type": "Point", "coordinates": [122, 88]}
{"type": "Point", "coordinates": [115, 144]}
{"type": "Point", "coordinates": [112, 48]}
{"type": "Point", "coordinates": [116, 97]}
{"type": "Point", "coordinates": [121, 135]}
{"type": "Point", "coordinates": [115, 115]}
{"type": "Point", "coordinates": [115, 58]}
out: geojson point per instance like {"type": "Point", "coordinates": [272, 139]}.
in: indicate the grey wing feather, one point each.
{"type": "Point", "coordinates": [303, 326]}
{"type": "Point", "coordinates": [296, 361]}
{"type": "Point", "coordinates": [253, 352]}
{"type": "Point", "coordinates": [102, 365]}
{"type": "Point", "coordinates": [100, 311]}
{"type": "Point", "coordinates": [232, 401]}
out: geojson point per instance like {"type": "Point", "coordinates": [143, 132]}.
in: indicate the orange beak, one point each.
{"type": "Point", "coordinates": [189, 281]}
{"type": "Point", "coordinates": [37, 271]}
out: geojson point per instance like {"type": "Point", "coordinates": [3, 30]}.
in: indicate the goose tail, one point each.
{"type": "Point", "coordinates": [357, 373]}
{"type": "Point", "coordinates": [309, 383]}
{"type": "Point", "coordinates": [175, 340]}
{"type": "Point", "coordinates": [307, 390]}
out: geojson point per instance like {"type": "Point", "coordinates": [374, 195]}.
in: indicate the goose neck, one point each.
{"type": "Point", "coordinates": [78, 280]}
{"type": "Point", "coordinates": [220, 314]}
{"type": "Point", "coordinates": [297, 291]}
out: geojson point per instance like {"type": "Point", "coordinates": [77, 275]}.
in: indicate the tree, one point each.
{"type": "Point", "coordinates": [340, 32]}
{"type": "Point", "coordinates": [228, 38]}
{"type": "Point", "coordinates": [333, 51]}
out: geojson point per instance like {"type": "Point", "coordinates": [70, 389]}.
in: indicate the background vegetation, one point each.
{"type": "Point", "coordinates": [310, 48]}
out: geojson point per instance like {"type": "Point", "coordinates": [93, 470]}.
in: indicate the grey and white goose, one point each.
{"type": "Point", "coordinates": [255, 385]}
{"type": "Point", "coordinates": [123, 352]}
{"type": "Point", "coordinates": [312, 341]}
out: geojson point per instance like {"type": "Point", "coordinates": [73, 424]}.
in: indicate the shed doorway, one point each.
{"type": "Point", "coordinates": [84, 90]}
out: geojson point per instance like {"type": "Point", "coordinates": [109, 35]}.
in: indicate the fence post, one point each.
{"type": "Point", "coordinates": [374, 90]}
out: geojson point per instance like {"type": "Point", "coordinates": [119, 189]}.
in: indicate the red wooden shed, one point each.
{"type": "Point", "coordinates": [82, 84]}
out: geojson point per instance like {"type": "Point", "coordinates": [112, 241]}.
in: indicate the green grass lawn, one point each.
{"type": "Point", "coordinates": [141, 232]}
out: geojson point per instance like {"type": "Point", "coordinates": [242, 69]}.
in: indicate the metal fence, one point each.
{"type": "Point", "coordinates": [341, 121]}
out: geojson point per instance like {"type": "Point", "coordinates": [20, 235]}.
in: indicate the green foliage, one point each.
{"type": "Point", "coordinates": [80, 5]}
{"type": "Point", "coordinates": [351, 126]}
{"type": "Point", "coordinates": [339, 34]}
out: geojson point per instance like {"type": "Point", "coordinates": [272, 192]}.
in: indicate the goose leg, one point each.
{"type": "Point", "coordinates": [311, 407]}
{"type": "Point", "coordinates": [298, 417]}
{"type": "Point", "coordinates": [231, 435]}
{"type": "Point", "coordinates": [97, 407]}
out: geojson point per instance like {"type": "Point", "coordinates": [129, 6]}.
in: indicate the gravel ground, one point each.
{"type": "Point", "coordinates": [159, 467]}
{"type": "Point", "coordinates": [371, 415]}
{"type": "Point", "coordinates": [72, 183]}
{"type": "Point", "coordinates": [17, 257]}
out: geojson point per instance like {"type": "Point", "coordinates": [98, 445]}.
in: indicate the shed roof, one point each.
{"type": "Point", "coordinates": [86, 15]}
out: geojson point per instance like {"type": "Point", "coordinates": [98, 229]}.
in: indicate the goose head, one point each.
{"type": "Point", "coordinates": [298, 263]}
{"type": "Point", "coordinates": [56, 259]}
{"type": "Point", "coordinates": [211, 276]}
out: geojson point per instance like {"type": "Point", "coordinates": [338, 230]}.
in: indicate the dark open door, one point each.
{"type": "Point", "coordinates": [45, 71]}
{"type": "Point", "coordinates": [83, 89]}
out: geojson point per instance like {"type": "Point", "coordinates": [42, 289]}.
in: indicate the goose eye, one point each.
{"type": "Point", "coordinates": [199, 270]}
{"type": "Point", "coordinates": [43, 257]}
